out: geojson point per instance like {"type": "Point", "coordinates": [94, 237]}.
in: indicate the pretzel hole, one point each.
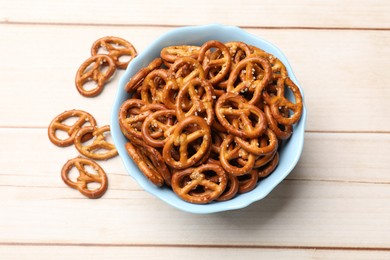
{"type": "Point", "coordinates": [73, 174]}
{"type": "Point", "coordinates": [104, 67]}
{"type": "Point", "coordinates": [175, 153]}
{"type": "Point", "coordinates": [215, 53]}
{"type": "Point", "coordinates": [86, 141]}
{"type": "Point", "coordinates": [202, 190]}
{"type": "Point", "coordinates": [70, 120]}
{"type": "Point", "coordinates": [90, 85]}
{"type": "Point", "coordinates": [93, 185]}
{"type": "Point", "coordinates": [247, 93]}
{"type": "Point", "coordinates": [191, 150]}
{"type": "Point", "coordinates": [102, 50]}
{"type": "Point", "coordinates": [108, 138]}
{"type": "Point", "coordinates": [289, 95]}
{"type": "Point", "coordinates": [60, 134]}
{"type": "Point", "coordinates": [185, 70]}
{"type": "Point", "coordinates": [198, 190]}
{"type": "Point", "coordinates": [282, 127]}
{"type": "Point", "coordinates": [253, 119]}
{"type": "Point", "coordinates": [244, 178]}
{"type": "Point", "coordinates": [150, 96]}
{"type": "Point", "coordinates": [124, 58]}
{"type": "Point", "coordinates": [91, 170]}
{"type": "Point", "coordinates": [238, 162]}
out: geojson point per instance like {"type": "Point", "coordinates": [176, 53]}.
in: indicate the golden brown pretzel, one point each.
{"type": "Point", "coordinates": [200, 93]}
{"type": "Point", "coordinates": [59, 124]}
{"type": "Point", "coordinates": [116, 48]}
{"type": "Point", "coordinates": [250, 119]}
{"type": "Point", "coordinates": [252, 83]}
{"type": "Point", "coordinates": [231, 186]}
{"type": "Point", "coordinates": [160, 123]}
{"type": "Point", "coordinates": [186, 132]}
{"type": "Point", "coordinates": [248, 181]}
{"type": "Point", "coordinates": [254, 145]}
{"type": "Point", "coordinates": [238, 51]}
{"type": "Point", "coordinates": [283, 132]}
{"type": "Point", "coordinates": [98, 144]}
{"type": "Point", "coordinates": [91, 70]}
{"type": "Point", "coordinates": [154, 84]}
{"type": "Point", "coordinates": [136, 81]}
{"type": "Point", "coordinates": [278, 67]}
{"type": "Point", "coordinates": [222, 60]}
{"type": "Point", "coordinates": [279, 101]}
{"type": "Point", "coordinates": [171, 53]}
{"type": "Point", "coordinates": [150, 162]}
{"type": "Point", "coordinates": [264, 159]}
{"type": "Point", "coordinates": [231, 152]}
{"type": "Point", "coordinates": [132, 114]}
{"type": "Point", "coordinates": [217, 139]}
{"type": "Point", "coordinates": [268, 168]}
{"type": "Point", "coordinates": [199, 185]}
{"type": "Point", "coordinates": [185, 69]}
{"type": "Point", "coordinates": [85, 177]}
{"type": "Point", "coordinates": [131, 118]}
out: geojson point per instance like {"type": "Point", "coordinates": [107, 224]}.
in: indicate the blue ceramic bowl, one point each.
{"type": "Point", "coordinates": [197, 35]}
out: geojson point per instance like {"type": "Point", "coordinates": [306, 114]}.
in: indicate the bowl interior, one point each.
{"type": "Point", "coordinates": [197, 35]}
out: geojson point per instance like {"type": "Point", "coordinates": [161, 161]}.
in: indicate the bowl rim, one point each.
{"type": "Point", "coordinates": [161, 193]}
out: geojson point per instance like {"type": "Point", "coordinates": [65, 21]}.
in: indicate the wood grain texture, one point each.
{"type": "Point", "coordinates": [297, 213]}
{"type": "Point", "coordinates": [284, 13]}
{"type": "Point", "coordinates": [22, 252]}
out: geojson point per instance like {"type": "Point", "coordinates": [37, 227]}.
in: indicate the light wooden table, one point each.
{"type": "Point", "coordinates": [335, 204]}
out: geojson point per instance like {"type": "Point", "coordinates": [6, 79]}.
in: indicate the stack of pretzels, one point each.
{"type": "Point", "coordinates": [207, 120]}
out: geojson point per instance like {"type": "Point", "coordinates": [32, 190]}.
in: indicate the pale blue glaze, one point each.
{"type": "Point", "coordinates": [197, 35]}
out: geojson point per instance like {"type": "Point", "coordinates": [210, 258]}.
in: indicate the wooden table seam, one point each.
{"type": "Point", "coordinates": [7, 22]}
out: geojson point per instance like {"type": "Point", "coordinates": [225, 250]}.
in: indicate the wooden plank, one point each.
{"type": "Point", "coordinates": [325, 157]}
{"type": "Point", "coordinates": [333, 68]}
{"type": "Point", "coordinates": [345, 157]}
{"type": "Point", "coordinates": [134, 252]}
{"type": "Point", "coordinates": [301, 211]}
{"type": "Point", "coordinates": [303, 13]}
{"type": "Point", "coordinates": [296, 213]}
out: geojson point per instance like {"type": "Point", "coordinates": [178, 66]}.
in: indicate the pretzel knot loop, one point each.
{"type": "Point", "coordinates": [92, 70]}
{"type": "Point", "coordinates": [234, 159]}
{"type": "Point", "coordinates": [280, 101]}
{"type": "Point", "coordinates": [116, 48]}
{"type": "Point", "coordinates": [220, 60]}
{"type": "Point", "coordinates": [85, 177]}
{"type": "Point", "coordinates": [59, 124]}
{"type": "Point", "coordinates": [154, 84]}
{"type": "Point", "coordinates": [200, 185]}
{"type": "Point", "coordinates": [185, 69]}
{"type": "Point", "coordinates": [257, 73]}
{"type": "Point", "coordinates": [254, 145]}
{"type": "Point", "coordinates": [132, 114]}
{"type": "Point", "coordinates": [200, 94]}
{"type": "Point", "coordinates": [158, 126]}
{"type": "Point", "coordinates": [231, 109]}
{"type": "Point", "coordinates": [171, 53]}
{"type": "Point", "coordinates": [98, 144]}
{"type": "Point", "coordinates": [191, 139]}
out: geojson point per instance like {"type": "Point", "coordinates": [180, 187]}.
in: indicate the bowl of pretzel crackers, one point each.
{"type": "Point", "coordinates": [209, 118]}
